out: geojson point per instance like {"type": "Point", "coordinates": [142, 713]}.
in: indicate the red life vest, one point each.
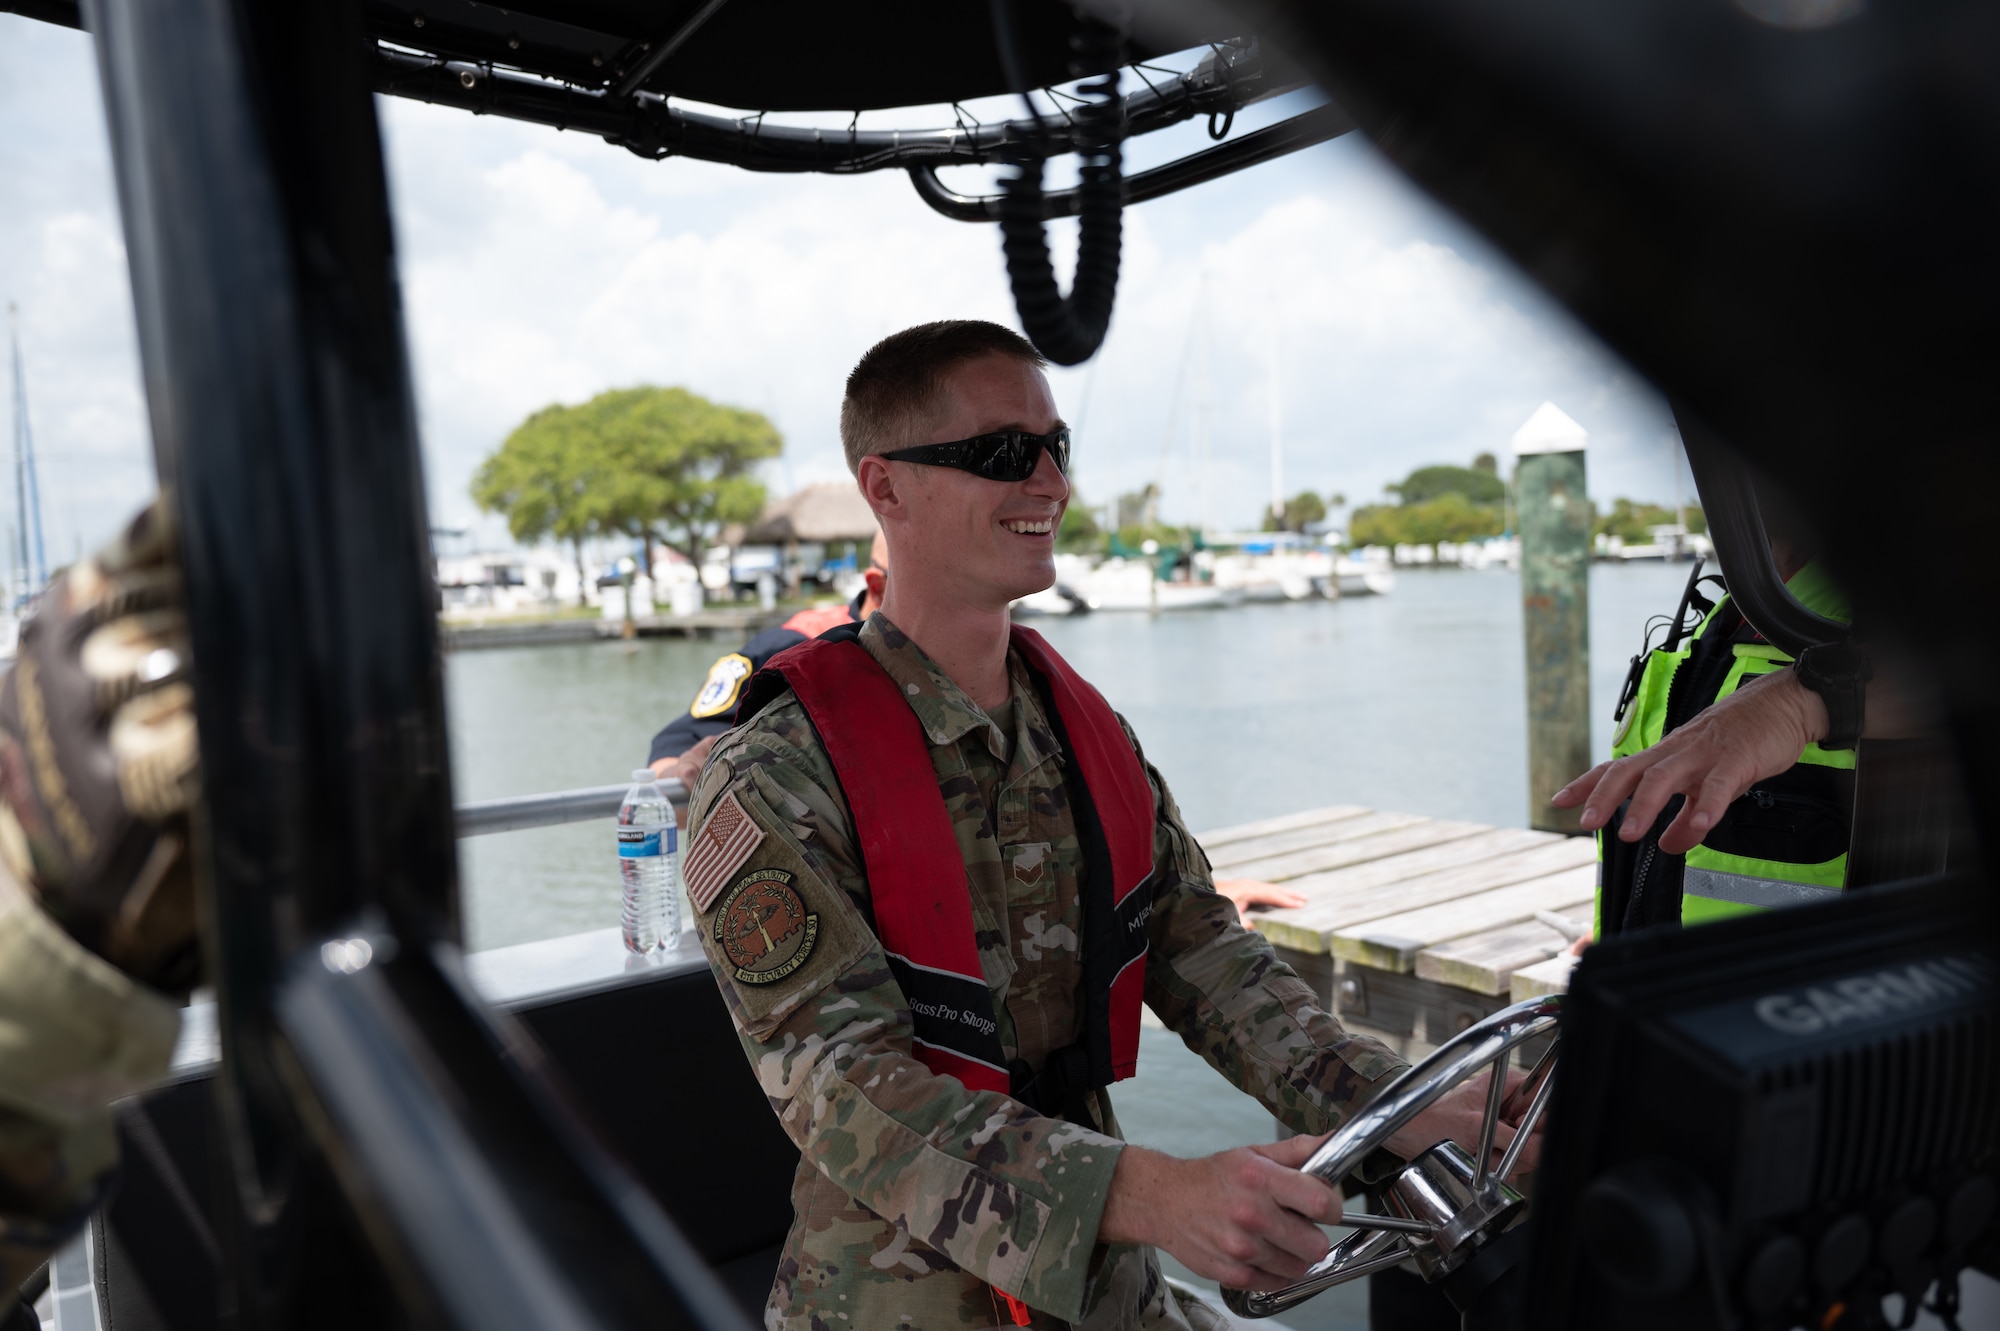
{"type": "Point", "coordinates": [916, 875]}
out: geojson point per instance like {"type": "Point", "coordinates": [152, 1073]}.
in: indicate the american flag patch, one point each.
{"type": "Point", "coordinates": [727, 838]}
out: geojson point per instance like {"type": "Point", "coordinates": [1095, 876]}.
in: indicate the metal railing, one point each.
{"type": "Point", "coordinates": [485, 817]}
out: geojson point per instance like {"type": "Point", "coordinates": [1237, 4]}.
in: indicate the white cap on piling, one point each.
{"type": "Point", "coordinates": [1549, 430]}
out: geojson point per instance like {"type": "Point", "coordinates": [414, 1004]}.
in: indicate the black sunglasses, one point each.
{"type": "Point", "coordinates": [1004, 455]}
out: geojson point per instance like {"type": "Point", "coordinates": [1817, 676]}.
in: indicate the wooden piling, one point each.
{"type": "Point", "coordinates": [1554, 513]}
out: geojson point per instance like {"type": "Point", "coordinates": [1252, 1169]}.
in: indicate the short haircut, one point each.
{"type": "Point", "coordinates": [896, 384]}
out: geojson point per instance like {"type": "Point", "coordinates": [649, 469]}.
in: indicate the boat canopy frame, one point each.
{"type": "Point", "coordinates": [1737, 206]}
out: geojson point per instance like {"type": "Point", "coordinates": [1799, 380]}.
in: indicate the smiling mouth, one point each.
{"type": "Point", "coordinates": [1022, 527]}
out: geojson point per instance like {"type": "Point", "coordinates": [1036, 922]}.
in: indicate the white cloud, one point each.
{"type": "Point", "coordinates": [542, 267]}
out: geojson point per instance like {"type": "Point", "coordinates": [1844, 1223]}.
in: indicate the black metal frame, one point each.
{"type": "Point", "coordinates": [1728, 493]}
{"type": "Point", "coordinates": [645, 123]}
{"type": "Point", "coordinates": [256, 219]}
{"type": "Point", "coordinates": [1261, 145]}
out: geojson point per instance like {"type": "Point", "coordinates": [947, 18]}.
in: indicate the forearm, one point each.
{"type": "Point", "coordinates": [1252, 1019]}
{"type": "Point", "coordinates": [75, 1034]}
{"type": "Point", "coordinates": [1223, 989]}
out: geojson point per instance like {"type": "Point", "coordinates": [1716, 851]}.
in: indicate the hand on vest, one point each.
{"type": "Point", "coordinates": [98, 762]}
{"type": "Point", "coordinates": [1756, 732]}
{"type": "Point", "coordinates": [1246, 1218]}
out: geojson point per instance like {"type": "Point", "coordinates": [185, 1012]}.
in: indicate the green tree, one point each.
{"type": "Point", "coordinates": [678, 466]}
{"type": "Point", "coordinates": [1301, 510]}
{"type": "Point", "coordinates": [1475, 484]}
{"type": "Point", "coordinates": [1079, 532]}
{"type": "Point", "coordinates": [542, 479]}
{"type": "Point", "coordinates": [649, 463]}
{"type": "Point", "coordinates": [1631, 521]}
{"type": "Point", "coordinates": [1450, 517]}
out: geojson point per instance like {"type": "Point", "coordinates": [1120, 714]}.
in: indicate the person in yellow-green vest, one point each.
{"type": "Point", "coordinates": [1731, 783]}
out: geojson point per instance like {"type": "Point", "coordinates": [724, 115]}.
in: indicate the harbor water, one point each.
{"type": "Point", "coordinates": [1412, 702]}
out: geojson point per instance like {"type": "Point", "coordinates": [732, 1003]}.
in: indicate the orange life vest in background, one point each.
{"type": "Point", "coordinates": [818, 619]}
{"type": "Point", "coordinates": [916, 875]}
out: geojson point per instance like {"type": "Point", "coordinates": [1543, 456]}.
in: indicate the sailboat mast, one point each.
{"type": "Point", "coordinates": [1277, 429]}
{"type": "Point", "coordinates": [20, 589]}
{"type": "Point", "coordinates": [1204, 423]}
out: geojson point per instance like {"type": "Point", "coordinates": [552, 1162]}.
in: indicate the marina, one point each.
{"type": "Point", "coordinates": [312, 765]}
{"type": "Point", "coordinates": [1407, 702]}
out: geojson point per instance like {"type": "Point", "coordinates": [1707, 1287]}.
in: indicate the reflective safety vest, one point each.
{"type": "Point", "coordinates": [1783, 843]}
{"type": "Point", "coordinates": [917, 886]}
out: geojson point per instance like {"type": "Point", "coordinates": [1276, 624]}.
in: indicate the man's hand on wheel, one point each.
{"type": "Point", "coordinates": [1458, 1115]}
{"type": "Point", "coordinates": [98, 762]}
{"type": "Point", "coordinates": [1246, 1217]}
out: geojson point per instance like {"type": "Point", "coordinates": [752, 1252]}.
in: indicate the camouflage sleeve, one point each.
{"type": "Point", "coordinates": [75, 1033]}
{"type": "Point", "coordinates": [981, 1181]}
{"type": "Point", "coordinates": [1224, 991]}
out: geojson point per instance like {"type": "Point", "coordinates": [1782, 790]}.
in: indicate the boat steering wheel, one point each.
{"type": "Point", "coordinates": [1444, 1205]}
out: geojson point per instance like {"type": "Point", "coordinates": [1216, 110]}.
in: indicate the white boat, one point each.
{"type": "Point", "coordinates": [1278, 575]}
{"type": "Point", "coordinates": [1129, 584]}
{"type": "Point", "coordinates": [1366, 574]}
{"type": "Point", "coordinates": [1052, 601]}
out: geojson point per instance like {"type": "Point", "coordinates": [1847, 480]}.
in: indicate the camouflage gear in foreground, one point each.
{"type": "Point", "coordinates": [915, 1197]}
{"type": "Point", "coordinates": [97, 914]}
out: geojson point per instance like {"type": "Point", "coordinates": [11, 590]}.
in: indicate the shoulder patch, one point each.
{"type": "Point", "coordinates": [763, 927]}
{"type": "Point", "coordinates": [728, 835]}
{"type": "Point", "coordinates": [723, 687]}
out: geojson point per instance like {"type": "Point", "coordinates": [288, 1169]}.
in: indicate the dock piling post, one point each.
{"type": "Point", "coordinates": [1555, 519]}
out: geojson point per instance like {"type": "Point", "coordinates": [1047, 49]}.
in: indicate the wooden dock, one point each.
{"type": "Point", "coordinates": [462, 635]}
{"type": "Point", "coordinates": [1414, 927]}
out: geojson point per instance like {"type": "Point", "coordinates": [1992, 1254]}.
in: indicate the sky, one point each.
{"type": "Point", "coordinates": [543, 267]}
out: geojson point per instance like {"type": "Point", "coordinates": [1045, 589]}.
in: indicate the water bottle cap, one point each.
{"type": "Point", "coordinates": [643, 774]}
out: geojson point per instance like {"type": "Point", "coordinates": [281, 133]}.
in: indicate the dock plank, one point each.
{"type": "Point", "coordinates": [1374, 837]}
{"type": "Point", "coordinates": [1311, 866]}
{"type": "Point", "coordinates": [1547, 977]}
{"type": "Point", "coordinates": [1223, 836]}
{"type": "Point", "coordinates": [1486, 961]}
{"type": "Point", "coordinates": [1364, 823]}
{"type": "Point", "coordinates": [1340, 898]}
{"type": "Point", "coordinates": [1392, 942]}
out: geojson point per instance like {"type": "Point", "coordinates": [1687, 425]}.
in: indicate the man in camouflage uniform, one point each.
{"type": "Point", "coordinates": [919, 1202]}
{"type": "Point", "coordinates": [97, 929]}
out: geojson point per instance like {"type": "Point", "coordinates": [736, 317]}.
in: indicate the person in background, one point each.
{"type": "Point", "coordinates": [680, 749]}
{"type": "Point", "coordinates": [889, 860]}
{"type": "Point", "coordinates": [97, 915]}
{"type": "Point", "coordinates": [1730, 789]}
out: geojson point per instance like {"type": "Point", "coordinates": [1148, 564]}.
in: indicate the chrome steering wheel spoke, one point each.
{"type": "Point", "coordinates": [1443, 1204]}
{"type": "Point", "coordinates": [1360, 1253]}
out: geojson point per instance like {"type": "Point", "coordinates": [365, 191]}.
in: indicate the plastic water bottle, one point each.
{"type": "Point", "coordinates": [649, 862]}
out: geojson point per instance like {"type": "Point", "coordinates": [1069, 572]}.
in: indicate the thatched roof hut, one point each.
{"type": "Point", "coordinates": [825, 514]}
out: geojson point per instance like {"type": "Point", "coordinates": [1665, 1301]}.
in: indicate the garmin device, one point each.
{"type": "Point", "coordinates": [1839, 674]}
{"type": "Point", "coordinates": [1776, 1121]}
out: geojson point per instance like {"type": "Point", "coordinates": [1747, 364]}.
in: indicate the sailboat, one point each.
{"type": "Point", "coordinates": [30, 571]}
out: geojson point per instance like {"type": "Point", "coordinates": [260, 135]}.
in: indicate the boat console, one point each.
{"type": "Point", "coordinates": [1778, 1121]}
